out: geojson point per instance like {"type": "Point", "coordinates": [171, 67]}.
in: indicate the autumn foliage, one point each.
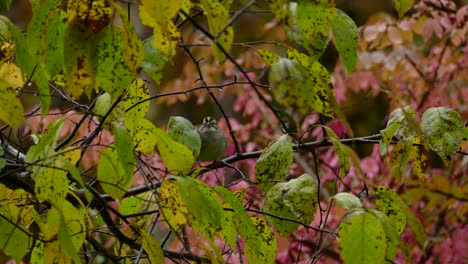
{"type": "Point", "coordinates": [344, 143]}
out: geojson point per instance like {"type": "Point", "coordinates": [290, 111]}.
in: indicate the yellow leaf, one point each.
{"type": "Point", "coordinates": [11, 74]}
{"type": "Point", "coordinates": [171, 205]}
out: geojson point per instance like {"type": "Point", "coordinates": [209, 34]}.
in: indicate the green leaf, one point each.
{"type": "Point", "coordinates": [45, 35]}
{"type": "Point", "coordinates": [51, 185]}
{"type": "Point", "coordinates": [347, 200]}
{"type": "Point", "coordinates": [274, 163]}
{"type": "Point", "coordinates": [257, 248]}
{"type": "Point", "coordinates": [172, 207]}
{"type": "Point", "coordinates": [182, 130]}
{"type": "Point", "coordinates": [402, 6]}
{"type": "Point", "coordinates": [218, 17]}
{"type": "Point", "coordinates": [14, 241]}
{"type": "Point", "coordinates": [2, 160]}
{"type": "Point", "coordinates": [203, 204]}
{"type": "Point", "coordinates": [123, 144]}
{"type": "Point", "coordinates": [346, 37]}
{"type": "Point", "coordinates": [296, 199]}
{"type": "Point", "coordinates": [443, 129]}
{"type": "Point", "coordinates": [412, 221]}
{"type": "Point", "coordinates": [176, 156]}
{"type": "Point", "coordinates": [363, 240]}
{"type": "Point", "coordinates": [340, 151]}
{"type": "Point", "coordinates": [113, 173]}
{"type": "Point", "coordinates": [103, 104]}
{"type": "Point", "coordinates": [154, 60]}
{"type": "Point", "coordinates": [408, 127]}
{"type": "Point", "coordinates": [205, 208]}
{"type": "Point", "coordinates": [41, 153]}
{"type": "Point", "coordinates": [152, 247]}
{"type": "Point", "coordinates": [399, 157]}
{"type": "Point", "coordinates": [393, 238]}
{"type": "Point", "coordinates": [130, 205]}
{"type": "Point", "coordinates": [5, 5]}
{"type": "Point", "coordinates": [66, 241]}
{"type": "Point", "coordinates": [112, 75]}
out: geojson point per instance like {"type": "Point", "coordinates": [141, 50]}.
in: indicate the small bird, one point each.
{"type": "Point", "coordinates": [214, 141]}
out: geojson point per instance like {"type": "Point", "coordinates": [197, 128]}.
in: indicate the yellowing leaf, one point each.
{"type": "Point", "coordinates": [340, 151]}
{"type": "Point", "coordinates": [257, 247]}
{"type": "Point", "coordinates": [166, 34]}
{"type": "Point", "coordinates": [346, 37]}
{"type": "Point", "coordinates": [402, 6]}
{"type": "Point", "coordinates": [313, 22]}
{"type": "Point", "coordinates": [268, 56]}
{"type": "Point", "coordinates": [78, 62]}
{"type": "Point", "coordinates": [7, 42]}
{"type": "Point", "coordinates": [144, 138]}
{"type": "Point", "coordinates": [176, 156]}
{"type": "Point", "coordinates": [412, 220]}
{"type": "Point", "coordinates": [182, 130]}
{"type": "Point", "coordinates": [11, 75]}
{"type": "Point", "coordinates": [133, 48]}
{"type": "Point", "coordinates": [203, 204]}
{"type": "Point", "coordinates": [152, 247]}
{"type": "Point", "coordinates": [94, 14]}
{"type": "Point", "coordinates": [218, 17]}
{"type": "Point", "coordinates": [399, 157]}
{"type": "Point", "coordinates": [267, 237]}
{"type": "Point", "coordinates": [173, 208]}
{"type": "Point", "coordinates": [421, 158]}
{"type": "Point", "coordinates": [11, 79]}
{"type": "Point", "coordinates": [51, 185]}
{"type": "Point", "coordinates": [388, 202]}
{"type": "Point", "coordinates": [133, 103]}
{"type": "Point", "coordinates": [302, 83]}
{"type": "Point", "coordinates": [274, 163]}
